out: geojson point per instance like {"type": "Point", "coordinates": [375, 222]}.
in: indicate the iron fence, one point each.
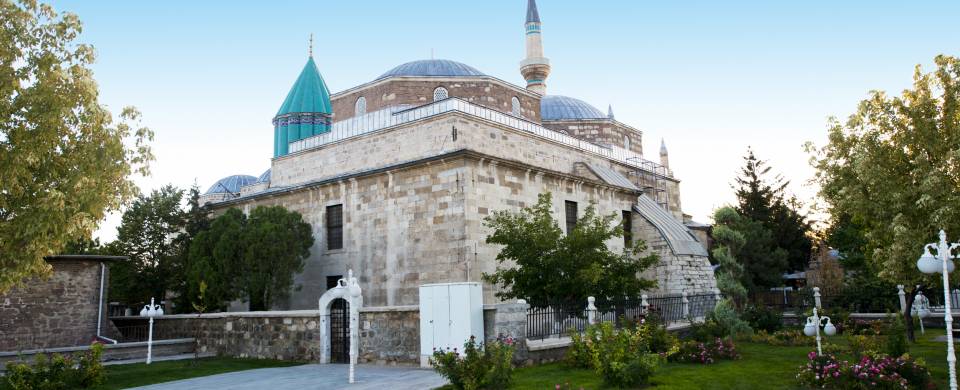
{"type": "Point", "coordinates": [140, 332]}
{"type": "Point", "coordinates": [804, 300]}
{"type": "Point", "coordinates": [556, 319]}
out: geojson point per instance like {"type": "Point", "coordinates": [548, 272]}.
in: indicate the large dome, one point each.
{"type": "Point", "coordinates": [433, 68]}
{"type": "Point", "coordinates": [556, 107]}
{"type": "Point", "coordinates": [231, 184]}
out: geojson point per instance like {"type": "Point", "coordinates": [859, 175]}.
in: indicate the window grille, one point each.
{"type": "Point", "coordinates": [515, 106]}
{"type": "Point", "coordinates": [571, 215]}
{"type": "Point", "coordinates": [335, 227]}
{"type": "Point", "coordinates": [439, 94]}
{"type": "Point", "coordinates": [361, 107]}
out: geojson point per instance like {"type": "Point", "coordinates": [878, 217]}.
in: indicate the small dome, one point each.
{"type": "Point", "coordinates": [556, 107]}
{"type": "Point", "coordinates": [264, 177]}
{"type": "Point", "coordinates": [433, 68]}
{"type": "Point", "coordinates": [231, 184]}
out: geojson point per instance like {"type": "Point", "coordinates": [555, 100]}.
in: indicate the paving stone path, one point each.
{"type": "Point", "coordinates": [310, 377]}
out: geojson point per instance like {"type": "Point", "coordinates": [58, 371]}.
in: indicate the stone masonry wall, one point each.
{"type": "Point", "coordinates": [601, 132]}
{"type": "Point", "coordinates": [57, 312]}
{"type": "Point", "coordinates": [674, 273]}
{"type": "Point", "coordinates": [386, 336]}
{"type": "Point", "coordinates": [487, 92]}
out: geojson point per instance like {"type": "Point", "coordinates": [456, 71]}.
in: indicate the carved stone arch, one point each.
{"type": "Point", "coordinates": [348, 289]}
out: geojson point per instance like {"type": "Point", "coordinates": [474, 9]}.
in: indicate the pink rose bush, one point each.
{"type": "Point", "coordinates": [871, 372]}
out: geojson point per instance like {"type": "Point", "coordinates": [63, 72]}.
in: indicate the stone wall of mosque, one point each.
{"type": "Point", "coordinates": [601, 132]}
{"type": "Point", "coordinates": [674, 273]}
{"type": "Point", "coordinates": [490, 93]}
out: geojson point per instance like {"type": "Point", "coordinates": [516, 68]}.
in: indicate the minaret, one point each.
{"type": "Point", "coordinates": [664, 159]}
{"type": "Point", "coordinates": [535, 68]}
{"type": "Point", "coordinates": [610, 111]}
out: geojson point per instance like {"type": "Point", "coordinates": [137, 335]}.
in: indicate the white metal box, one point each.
{"type": "Point", "coordinates": [449, 314]}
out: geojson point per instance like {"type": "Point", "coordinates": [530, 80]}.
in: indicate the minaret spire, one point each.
{"type": "Point", "coordinates": [535, 67]}
{"type": "Point", "coordinates": [610, 111]}
{"type": "Point", "coordinates": [664, 158]}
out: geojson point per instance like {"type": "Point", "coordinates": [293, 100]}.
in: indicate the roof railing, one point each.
{"type": "Point", "coordinates": [402, 114]}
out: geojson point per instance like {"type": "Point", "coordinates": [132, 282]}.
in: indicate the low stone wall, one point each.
{"type": "Point", "coordinates": [388, 335]}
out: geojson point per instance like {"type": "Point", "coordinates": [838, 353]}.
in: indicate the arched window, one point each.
{"type": "Point", "coordinates": [439, 94]}
{"type": "Point", "coordinates": [361, 107]}
{"type": "Point", "coordinates": [626, 142]}
{"type": "Point", "coordinates": [515, 106]}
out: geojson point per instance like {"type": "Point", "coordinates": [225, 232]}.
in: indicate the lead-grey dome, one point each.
{"type": "Point", "coordinates": [433, 68]}
{"type": "Point", "coordinates": [231, 184]}
{"type": "Point", "coordinates": [556, 107]}
{"type": "Point", "coordinates": [265, 176]}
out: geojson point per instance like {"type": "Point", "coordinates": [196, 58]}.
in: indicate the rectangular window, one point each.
{"type": "Point", "coordinates": [335, 227]}
{"type": "Point", "coordinates": [627, 229]}
{"type": "Point", "coordinates": [570, 207]}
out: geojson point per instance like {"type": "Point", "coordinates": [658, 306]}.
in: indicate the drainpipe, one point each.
{"type": "Point", "coordinates": [103, 271]}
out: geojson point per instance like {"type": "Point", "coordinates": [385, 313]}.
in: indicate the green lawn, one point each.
{"type": "Point", "coordinates": [140, 374]}
{"type": "Point", "coordinates": [761, 367]}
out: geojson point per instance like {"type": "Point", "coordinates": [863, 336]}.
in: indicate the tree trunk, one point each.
{"type": "Point", "coordinates": [907, 317]}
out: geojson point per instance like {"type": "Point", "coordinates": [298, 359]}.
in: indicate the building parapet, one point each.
{"type": "Point", "coordinates": [395, 116]}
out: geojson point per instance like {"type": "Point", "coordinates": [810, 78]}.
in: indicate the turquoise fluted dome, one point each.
{"type": "Point", "coordinates": [305, 112]}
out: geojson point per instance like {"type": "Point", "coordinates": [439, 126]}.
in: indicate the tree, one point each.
{"type": "Point", "coordinates": [146, 234]}
{"type": "Point", "coordinates": [728, 242]}
{"type": "Point", "coordinates": [196, 220]}
{"type": "Point", "coordinates": [64, 163]}
{"type": "Point", "coordinates": [251, 257]}
{"type": "Point", "coordinates": [214, 261]}
{"type": "Point", "coordinates": [762, 199]}
{"type": "Point", "coordinates": [749, 245]}
{"type": "Point", "coordinates": [539, 263]}
{"type": "Point", "coordinates": [277, 243]}
{"type": "Point", "coordinates": [892, 167]}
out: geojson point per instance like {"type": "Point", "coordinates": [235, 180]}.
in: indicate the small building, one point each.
{"type": "Point", "coordinates": [67, 309]}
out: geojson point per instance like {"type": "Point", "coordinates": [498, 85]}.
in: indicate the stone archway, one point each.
{"type": "Point", "coordinates": [348, 289]}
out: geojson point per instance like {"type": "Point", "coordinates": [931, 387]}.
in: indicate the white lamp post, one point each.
{"type": "Point", "coordinates": [928, 264]}
{"type": "Point", "coordinates": [151, 311]}
{"type": "Point", "coordinates": [812, 328]}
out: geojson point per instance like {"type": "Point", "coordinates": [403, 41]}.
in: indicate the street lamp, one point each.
{"type": "Point", "coordinates": [151, 311]}
{"type": "Point", "coordinates": [928, 264]}
{"type": "Point", "coordinates": [812, 328]}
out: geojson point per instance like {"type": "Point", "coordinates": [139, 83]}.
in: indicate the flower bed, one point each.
{"type": "Point", "coordinates": [706, 353]}
{"type": "Point", "coordinates": [877, 371]}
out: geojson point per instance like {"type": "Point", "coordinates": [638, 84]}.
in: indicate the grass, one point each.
{"type": "Point", "coordinates": [140, 374]}
{"type": "Point", "coordinates": [762, 366]}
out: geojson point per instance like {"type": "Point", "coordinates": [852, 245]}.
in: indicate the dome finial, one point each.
{"type": "Point", "coordinates": [610, 111]}
{"type": "Point", "coordinates": [310, 51]}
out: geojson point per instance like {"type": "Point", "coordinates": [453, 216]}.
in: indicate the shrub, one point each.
{"type": "Point", "coordinates": [706, 330]}
{"type": "Point", "coordinates": [871, 371]}
{"type": "Point", "coordinates": [80, 371]}
{"type": "Point", "coordinates": [787, 338]}
{"type": "Point", "coordinates": [862, 345]}
{"type": "Point", "coordinates": [762, 318]}
{"type": "Point", "coordinates": [823, 371]}
{"type": "Point", "coordinates": [725, 316]}
{"type": "Point", "coordinates": [895, 342]}
{"type": "Point", "coordinates": [479, 367]}
{"type": "Point", "coordinates": [706, 353]}
{"type": "Point", "coordinates": [625, 357]}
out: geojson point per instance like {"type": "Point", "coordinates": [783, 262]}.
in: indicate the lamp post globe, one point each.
{"type": "Point", "coordinates": [829, 329]}
{"type": "Point", "coordinates": [928, 264]}
{"type": "Point", "coordinates": [810, 329]}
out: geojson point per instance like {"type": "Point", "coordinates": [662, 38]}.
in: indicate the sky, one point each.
{"type": "Point", "coordinates": [710, 78]}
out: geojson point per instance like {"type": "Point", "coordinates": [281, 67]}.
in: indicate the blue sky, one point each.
{"type": "Point", "coordinates": [710, 78]}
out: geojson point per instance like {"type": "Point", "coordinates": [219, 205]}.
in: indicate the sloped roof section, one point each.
{"type": "Point", "coordinates": [612, 177]}
{"type": "Point", "coordinates": [679, 238]}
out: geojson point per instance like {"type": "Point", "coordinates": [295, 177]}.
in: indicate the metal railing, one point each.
{"type": "Point", "coordinates": [398, 115]}
{"type": "Point", "coordinates": [558, 319]}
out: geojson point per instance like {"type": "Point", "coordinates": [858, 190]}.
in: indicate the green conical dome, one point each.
{"type": "Point", "coordinates": [309, 93]}
{"type": "Point", "coordinates": [305, 112]}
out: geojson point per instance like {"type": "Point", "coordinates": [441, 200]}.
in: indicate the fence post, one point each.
{"type": "Point", "coordinates": [816, 298]}
{"type": "Point", "coordinates": [591, 311]}
{"type": "Point", "coordinates": [903, 299]}
{"type": "Point", "coordinates": [686, 305]}
{"type": "Point", "coordinates": [644, 303]}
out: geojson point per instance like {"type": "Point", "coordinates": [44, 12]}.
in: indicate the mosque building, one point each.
{"type": "Point", "coordinates": [397, 174]}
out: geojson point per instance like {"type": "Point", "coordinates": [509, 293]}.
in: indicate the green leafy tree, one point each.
{"type": "Point", "coordinates": [146, 234]}
{"type": "Point", "coordinates": [196, 220]}
{"type": "Point", "coordinates": [214, 261]}
{"type": "Point", "coordinates": [892, 167]}
{"type": "Point", "coordinates": [539, 263]}
{"type": "Point", "coordinates": [752, 257]}
{"type": "Point", "coordinates": [64, 163]}
{"type": "Point", "coordinates": [277, 242]}
{"type": "Point", "coordinates": [762, 199]}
